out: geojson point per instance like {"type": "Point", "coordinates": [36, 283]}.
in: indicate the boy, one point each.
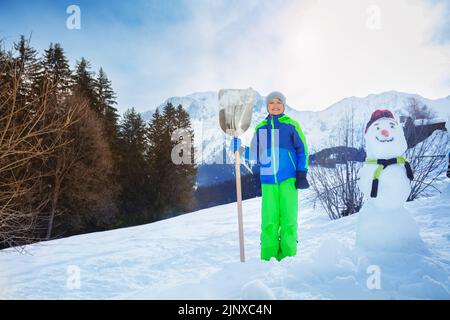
{"type": "Point", "coordinates": [279, 147]}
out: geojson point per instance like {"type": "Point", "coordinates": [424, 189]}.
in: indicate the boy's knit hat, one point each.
{"type": "Point", "coordinates": [274, 95]}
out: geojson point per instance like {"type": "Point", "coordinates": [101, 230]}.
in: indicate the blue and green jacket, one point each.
{"type": "Point", "coordinates": [279, 147]}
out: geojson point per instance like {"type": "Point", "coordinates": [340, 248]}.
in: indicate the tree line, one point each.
{"type": "Point", "coordinates": [69, 164]}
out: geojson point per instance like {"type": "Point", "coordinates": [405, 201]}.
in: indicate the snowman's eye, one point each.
{"type": "Point", "coordinates": [392, 126]}
{"type": "Point", "coordinates": [378, 128]}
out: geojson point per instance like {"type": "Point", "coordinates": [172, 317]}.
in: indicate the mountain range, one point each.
{"type": "Point", "coordinates": [319, 127]}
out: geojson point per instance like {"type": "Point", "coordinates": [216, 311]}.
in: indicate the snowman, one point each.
{"type": "Point", "coordinates": [384, 179]}
{"type": "Point", "coordinates": [386, 174]}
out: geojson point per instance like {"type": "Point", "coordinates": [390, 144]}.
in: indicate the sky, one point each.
{"type": "Point", "coordinates": [316, 52]}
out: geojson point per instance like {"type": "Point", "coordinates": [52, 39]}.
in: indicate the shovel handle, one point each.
{"type": "Point", "coordinates": [239, 205]}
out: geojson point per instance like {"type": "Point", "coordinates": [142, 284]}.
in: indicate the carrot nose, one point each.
{"type": "Point", "coordinates": [385, 133]}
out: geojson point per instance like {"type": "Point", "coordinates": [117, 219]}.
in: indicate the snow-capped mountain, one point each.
{"type": "Point", "coordinates": [319, 126]}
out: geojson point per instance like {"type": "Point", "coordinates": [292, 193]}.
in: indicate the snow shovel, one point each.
{"type": "Point", "coordinates": [235, 116]}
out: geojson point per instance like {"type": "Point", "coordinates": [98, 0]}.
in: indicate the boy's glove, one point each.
{"type": "Point", "coordinates": [235, 144]}
{"type": "Point", "coordinates": [301, 182]}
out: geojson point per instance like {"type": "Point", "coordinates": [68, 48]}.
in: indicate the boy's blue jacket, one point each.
{"type": "Point", "coordinates": [279, 147]}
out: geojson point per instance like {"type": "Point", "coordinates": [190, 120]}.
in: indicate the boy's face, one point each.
{"type": "Point", "coordinates": [275, 107]}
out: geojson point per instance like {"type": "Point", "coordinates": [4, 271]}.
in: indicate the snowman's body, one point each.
{"type": "Point", "coordinates": [393, 186]}
{"type": "Point", "coordinates": [383, 222]}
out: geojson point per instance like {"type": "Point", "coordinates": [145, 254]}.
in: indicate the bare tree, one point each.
{"type": "Point", "coordinates": [29, 134]}
{"type": "Point", "coordinates": [82, 187]}
{"type": "Point", "coordinates": [428, 147]}
{"type": "Point", "coordinates": [63, 159]}
{"type": "Point", "coordinates": [56, 166]}
{"type": "Point", "coordinates": [428, 160]}
{"type": "Point", "coordinates": [336, 188]}
{"type": "Point", "coordinates": [418, 110]}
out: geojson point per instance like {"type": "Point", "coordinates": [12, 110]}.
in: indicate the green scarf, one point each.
{"type": "Point", "coordinates": [382, 164]}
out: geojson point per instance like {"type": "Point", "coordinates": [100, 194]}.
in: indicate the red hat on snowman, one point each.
{"type": "Point", "coordinates": [378, 114]}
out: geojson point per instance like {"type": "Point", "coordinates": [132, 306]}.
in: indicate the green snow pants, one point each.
{"type": "Point", "coordinates": [279, 220]}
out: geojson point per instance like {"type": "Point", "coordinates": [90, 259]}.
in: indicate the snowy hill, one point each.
{"type": "Point", "coordinates": [318, 126]}
{"type": "Point", "coordinates": [196, 256]}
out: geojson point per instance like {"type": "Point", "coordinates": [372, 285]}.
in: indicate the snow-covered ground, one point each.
{"type": "Point", "coordinates": [196, 256]}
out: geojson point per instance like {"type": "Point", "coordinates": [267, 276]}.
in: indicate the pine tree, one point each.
{"type": "Point", "coordinates": [49, 60]}
{"type": "Point", "coordinates": [185, 172]}
{"type": "Point", "coordinates": [154, 136]}
{"type": "Point", "coordinates": [28, 69]}
{"type": "Point", "coordinates": [159, 158]}
{"type": "Point", "coordinates": [155, 158]}
{"type": "Point", "coordinates": [84, 83]}
{"type": "Point", "coordinates": [60, 72]}
{"type": "Point", "coordinates": [2, 53]}
{"type": "Point", "coordinates": [106, 95]}
{"type": "Point", "coordinates": [106, 99]}
{"type": "Point", "coordinates": [55, 72]}
{"type": "Point", "coordinates": [27, 57]}
{"type": "Point", "coordinates": [5, 77]}
{"type": "Point", "coordinates": [173, 183]}
{"type": "Point", "coordinates": [133, 198]}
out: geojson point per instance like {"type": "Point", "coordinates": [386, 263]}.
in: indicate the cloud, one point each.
{"type": "Point", "coordinates": [316, 52]}
{"type": "Point", "coordinates": [441, 32]}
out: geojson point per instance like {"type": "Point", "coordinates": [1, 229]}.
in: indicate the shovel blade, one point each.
{"type": "Point", "coordinates": [236, 108]}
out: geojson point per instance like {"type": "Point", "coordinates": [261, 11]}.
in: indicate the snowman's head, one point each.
{"type": "Point", "coordinates": [384, 136]}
